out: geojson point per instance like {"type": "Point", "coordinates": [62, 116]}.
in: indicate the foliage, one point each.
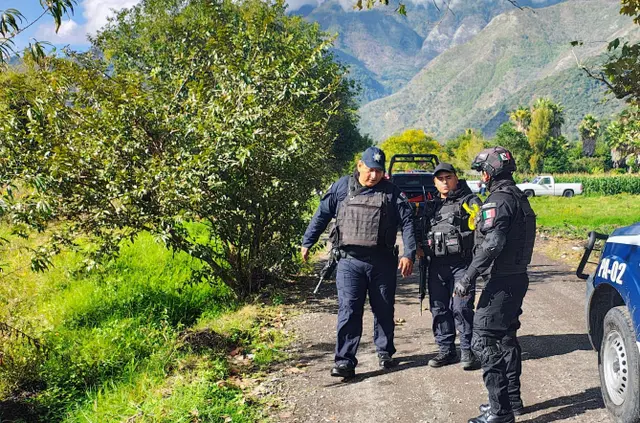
{"type": "Point", "coordinates": [13, 22]}
{"type": "Point", "coordinates": [411, 141]}
{"type": "Point", "coordinates": [462, 150]}
{"type": "Point", "coordinates": [145, 336]}
{"type": "Point", "coordinates": [223, 113]}
{"type": "Point", "coordinates": [539, 136]}
{"type": "Point", "coordinates": [589, 129]}
{"type": "Point", "coordinates": [556, 157]}
{"type": "Point", "coordinates": [603, 184]}
{"type": "Point", "coordinates": [514, 140]}
{"type": "Point", "coordinates": [521, 117]}
{"type": "Point", "coordinates": [623, 135]}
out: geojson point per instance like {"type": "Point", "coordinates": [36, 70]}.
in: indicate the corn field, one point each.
{"type": "Point", "coordinates": [602, 184]}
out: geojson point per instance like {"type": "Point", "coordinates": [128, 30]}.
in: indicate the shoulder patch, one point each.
{"type": "Point", "coordinates": [488, 215]}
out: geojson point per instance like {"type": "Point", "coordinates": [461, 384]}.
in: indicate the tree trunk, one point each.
{"type": "Point", "coordinates": [588, 146]}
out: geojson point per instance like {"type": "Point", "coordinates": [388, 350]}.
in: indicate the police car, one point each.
{"type": "Point", "coordinates": [613, 318]}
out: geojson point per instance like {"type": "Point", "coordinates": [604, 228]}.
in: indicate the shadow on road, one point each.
{"type": "Point", "coordinates": [542, 346]}
{"type": "Point", "coordinates": [404, 363]}
{"type": "Point", "coordinates": [570, 406]}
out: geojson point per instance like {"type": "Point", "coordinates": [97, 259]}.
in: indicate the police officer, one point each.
{"type": "Point", "coordinates": [368, 211]}
{"type": "Point", "coordinates": [505, 243]}
{"type": "Point", "coordinates": [452, 244]}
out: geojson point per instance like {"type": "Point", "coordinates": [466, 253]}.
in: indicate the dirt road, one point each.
{"type": "Point", "coordinates": [560, 378]}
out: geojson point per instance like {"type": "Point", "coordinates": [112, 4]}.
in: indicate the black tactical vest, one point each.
{"type": "Point", "coordinates": [365, 220]}
{"type": "Point", "coordinates": [450, 231]}
{"type": "Point", "coordinates": [517, 252]}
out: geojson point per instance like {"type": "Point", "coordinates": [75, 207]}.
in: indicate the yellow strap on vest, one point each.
{"type": "Point", "coordinates": [473, 212]}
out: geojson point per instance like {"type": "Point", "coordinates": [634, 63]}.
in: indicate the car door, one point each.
{"type": "Point", "coordinates": [545, 186]}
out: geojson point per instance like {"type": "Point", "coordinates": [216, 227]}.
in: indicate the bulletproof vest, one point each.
{"type": "Point", "coordinates": [365, 220]}
{"type": "Point", "coordinates": [517, 252]}
{"type": "Point", "coordinates": [450, 234]}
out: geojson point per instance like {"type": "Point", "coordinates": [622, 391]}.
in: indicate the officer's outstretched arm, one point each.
{"type": "Point", "coordinates": [495, 221]}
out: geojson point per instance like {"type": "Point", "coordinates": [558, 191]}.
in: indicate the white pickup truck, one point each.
{"type": "Point", "coordinates": [545, 185]}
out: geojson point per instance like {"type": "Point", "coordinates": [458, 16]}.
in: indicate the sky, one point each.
{"type": "Point", "coordinates": [88, 17]}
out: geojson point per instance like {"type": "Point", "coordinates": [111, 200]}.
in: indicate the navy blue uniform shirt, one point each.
{"type": "Point", "coordinates": [403, 216]}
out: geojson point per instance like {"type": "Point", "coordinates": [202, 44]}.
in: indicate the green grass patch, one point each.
{"type": "Point", "coordinates": [144, 338]}
{"type": "Point", "coordinates": [576, 217]}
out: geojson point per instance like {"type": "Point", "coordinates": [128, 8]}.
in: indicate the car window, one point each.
{"type": "Point", "coordinates": [535, 180]}
{"type": "Point", "coordinates": [546, 181]}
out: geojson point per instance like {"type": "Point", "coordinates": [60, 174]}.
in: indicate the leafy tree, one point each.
{"type": "Point", "coordinates": [539, 136]}
{"type": "Point", "coordinates": [623, 137]}
{"type": "Point", "coordinates": [510, 137]}
{"type": "Point", "coordinates": [589, 129]}
{"type": "Point", "coordinates": [556, 158]}
{"type": "Point", "coordinates": [463, 149]}
{"type": "Point", "coordinates": [12, 23]}
{"type": "Point", "coordinates": [521, 117]}
{"type": "Point", "coordinates": [411, 141]}
{"type": "Point", "coordinates": [557, 115]}
{"type": "Point", "coordinates": [207, 123]}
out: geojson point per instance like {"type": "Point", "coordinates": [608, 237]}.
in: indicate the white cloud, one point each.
{"type": "Point", "coordinates": [70, 32]}
{"type": "Point", "coordinates": [96, 12]}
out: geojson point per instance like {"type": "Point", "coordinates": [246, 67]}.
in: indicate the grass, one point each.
{"type": "Point", "coordinates": [141, 340]}
{"type": "Point", "coordinates": [576, 217]}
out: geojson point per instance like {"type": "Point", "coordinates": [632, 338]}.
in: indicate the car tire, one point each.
{"type": "Point", "coordinates": [529, 193]}
{"type": "Point", "coordinates": [619, 367]}
{"type": "Point", "coordinates": [568, 193]}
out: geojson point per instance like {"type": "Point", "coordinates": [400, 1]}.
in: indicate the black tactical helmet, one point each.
{"type": "Point", "coordinates": [494, 161]}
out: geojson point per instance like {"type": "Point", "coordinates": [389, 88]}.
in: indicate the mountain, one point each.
{"type": "Point", "coordinates": [519, 55]}
{"type": "Point", "coordinates": [385, 50]}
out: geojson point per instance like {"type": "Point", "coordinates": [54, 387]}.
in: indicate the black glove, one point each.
{"type": "Point", "coordinates": [462, 286]}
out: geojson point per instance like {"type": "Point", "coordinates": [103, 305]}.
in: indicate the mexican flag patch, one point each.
{"type": "Point", "coordinates": [488, 214]}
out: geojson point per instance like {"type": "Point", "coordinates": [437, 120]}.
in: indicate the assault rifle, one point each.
{"type": "Point", "coordinates": [329, 267]}
{"type": "Point", "coordinates": [422, 228]}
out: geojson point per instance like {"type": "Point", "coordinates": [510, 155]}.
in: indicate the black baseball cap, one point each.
{"type": "Point", "coordinates": [444, 167]}
{"type": "Point", "coordinates": [374, 158]}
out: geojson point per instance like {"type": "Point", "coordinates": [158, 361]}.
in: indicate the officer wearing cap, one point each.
{"type": "Point", "coordinates": [368, 211]}
{"type": "Point", "coordinates": [504, 246]}
{"type": "Point", "coordinates": [451, 249]}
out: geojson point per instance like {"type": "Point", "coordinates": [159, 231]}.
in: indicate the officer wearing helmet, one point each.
{"type": "Point", "coordinates": [505, 238]}
{"type": "Point", "coordinates": [452, 244]}
{"type": "Point", "coordinates": [368, 211]}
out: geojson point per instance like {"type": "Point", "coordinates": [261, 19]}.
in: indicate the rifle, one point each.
{"type": "Point", "coordinates": [425, 260]}
{"type": "Point", "coordinates": [329, 267]}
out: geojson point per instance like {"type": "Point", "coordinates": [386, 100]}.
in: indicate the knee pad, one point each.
{"type": "Point", "coordinates": [485, 348]}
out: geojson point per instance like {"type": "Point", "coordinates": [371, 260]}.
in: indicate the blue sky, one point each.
{"type": "Point", "coordinates": [89, 16]}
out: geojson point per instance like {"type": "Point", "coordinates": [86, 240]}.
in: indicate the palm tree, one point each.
{"type": "Point", "coordinates": [589, 129]}
{"type": "Point", "coordinates": [521, 117]}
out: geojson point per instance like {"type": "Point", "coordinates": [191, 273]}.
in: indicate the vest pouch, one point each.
{"type": "Point", "coordinates": [359, 220]}
{"type": "Point", "coordinates": [454, 243]}
{"type": "Point", "coordinates": [439, 244]}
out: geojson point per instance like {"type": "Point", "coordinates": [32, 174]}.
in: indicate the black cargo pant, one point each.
{"type": "Point", "coordinates": [494, 338]}
{"type": "Point", "coordinates": [448, 312]}
{"type": "Point", "coordinates": [355, 277]}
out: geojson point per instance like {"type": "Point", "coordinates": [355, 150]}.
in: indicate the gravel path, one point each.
{"type": "Point", "coordinates": [560, 377]}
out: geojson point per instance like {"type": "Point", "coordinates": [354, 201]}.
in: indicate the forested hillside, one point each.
{"type": "Point", "coordinates": [519, 55]}
{"type": "Point", "coordinates": [385, 50]}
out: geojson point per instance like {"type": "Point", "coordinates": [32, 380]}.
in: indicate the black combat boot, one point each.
{"type": "Point", "coordinates": [516, 406]}
{"type": "Point", "coordinates": [469, 360]}
{"type": "Point", "coordinates": [444, 359]}
{"type": "Point", "coordinates": [343, 370]}
{"type": "Point", "coordinates": [489, 417]}
{"type": "Point", "coordinates": [385, 361]}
